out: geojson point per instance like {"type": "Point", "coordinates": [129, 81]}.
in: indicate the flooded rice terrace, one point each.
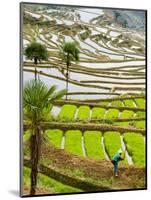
{"type": "Point", "coordinates": [112, 53]}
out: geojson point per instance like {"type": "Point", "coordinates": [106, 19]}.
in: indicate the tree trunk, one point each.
{"type": "Point", "coordinates": [35, 149]}
{"type": "Point", "coordinates": [35, 62]}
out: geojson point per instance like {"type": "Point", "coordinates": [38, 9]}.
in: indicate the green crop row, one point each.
{"type": "Point", "coordinates": [140, 103]}
{"type": "Point", "coordinates": [98, 113]}
{"type": "Point", "coordinates": [141, 114]}
{"type": "Point", "coordinates": [112, 143]}
{"type": "Point", "coordinates": [127, 114]}
{"type": "Point", "coordinates": [54, 137]}
{"type": "Point", "coordinates": [117, 103]}
{"type": "Point", "coordinates": [136, 147]}
{"type": "Point", "coordinates": [104, 103]}
{"type": "Point", "coordinates": [140, 124]}
{"type": "Point", "coordinates": [83, 113]}
{"type": "Point", "coordinates": [92, 141]}
{"type": "Point", "coordinates": [112, 113]}
{"type": "Point", "coordinates": [73, 142]}
{"type": "Point", "coordinates": [50, 185]}
{"type": "Point", "coordinates": [67, 112]}
{"type": "Point", "coordinates": [129, 103]}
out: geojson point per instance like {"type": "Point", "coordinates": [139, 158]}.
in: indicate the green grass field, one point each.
{"type": "Point", "coordinates": [127, 114]}
{"type": "Point", "coordinates": [129, 103]}
{"type": "Point", "coordinates": [67, 112]}
{"type": "Point", "coordinates": [140, 103]}
{"type": "Point", "coordinates": [83, 113]}
{"type": "Point", "coordinates": [140, 124]}
{"type": "Point", "coordinates": [104, 103]}
{"type": "Point", "coordinates": [98, 113]}
{"type": "Point", "coordinates": [50, 185]}
{"type": "Point", "coordinates": [117, 103]}
{"type": "Point", "coordinates": [73, 142]}
{"type": "Point", "coordinates": [112, 143]}
{"type": "Point", "coordinates": [136, 147]}
{"type": "Point", "coordinates": [140, 114]}
{"type": "Point", "coordinates": [54, 137]}
{"type": "Point", "coordinates": [92, 141]}
{"type": "Point", "coordinates": [112, 113]}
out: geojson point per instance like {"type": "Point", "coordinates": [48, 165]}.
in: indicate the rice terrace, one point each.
{"type": "Point", "coordinates": [84, 98]}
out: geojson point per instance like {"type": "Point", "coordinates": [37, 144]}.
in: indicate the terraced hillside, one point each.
{"type": "Point", "coordinates": [105, 108]}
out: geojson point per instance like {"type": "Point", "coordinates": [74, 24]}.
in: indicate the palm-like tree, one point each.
{"type": "Point", "coordinates": [37, 52]}
{"type": "Point", "coordinates": [37, 101]}
{"type": "Point", "coordinates": [69, 52]}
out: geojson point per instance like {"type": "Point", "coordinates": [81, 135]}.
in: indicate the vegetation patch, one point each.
{"type": "Point", "coordinates": [73, 142]}
{"type": "Point", "coordinates": [140, 124]}
{"type": "Point", "coordinates": [67, 112]}
{"type": "Point", "coordinates": [54, 136]}
{"type": "Point", "coordinates": [129, 103]}
{"type": "Point", "coordinates": [127, 114]}
{"type": "Point", "coordinates": [140, 103]}
{"type": "Point", "coordinates": [112, 143]}
{"type": "Point", "coordinates": [98, 113]}
{"type": "Point", "coordinates": [112, 113]}
{"type": "Point", "coordinates": [104, 103]}
{"type": "Point", "coordinates": [141, 114]}
{"type": "Point", "coordinates": [92, 141]}
{"type": "Point", "coordinates": [46, 185]}
{"type": "Point", "coordinates": [83, 113]}
{"type": "Point", "coordinates": [117, 103]}
{"type": "Point", "coordinates": [136, 147]}
{"type": "Point", "coordinates": [26, 136]}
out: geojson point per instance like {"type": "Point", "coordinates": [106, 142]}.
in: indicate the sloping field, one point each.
{"type": "Point", "coordinates": [105, 107]}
